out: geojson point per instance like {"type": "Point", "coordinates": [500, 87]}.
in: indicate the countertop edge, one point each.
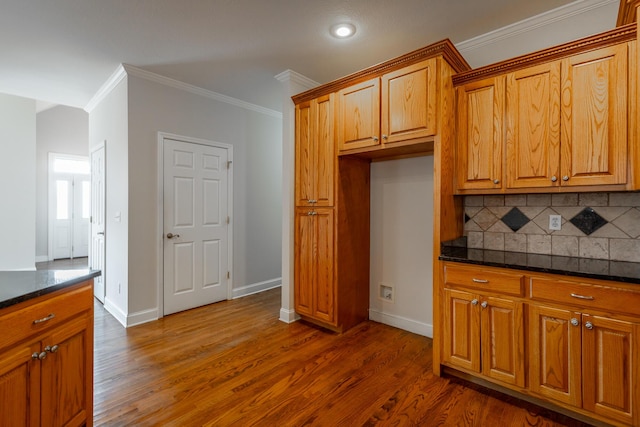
{"type": "Point", "coordinates": [49, 289]}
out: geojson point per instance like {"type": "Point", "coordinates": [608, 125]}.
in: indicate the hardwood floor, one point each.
{"type": "Point", "coordinates": [234, 363]}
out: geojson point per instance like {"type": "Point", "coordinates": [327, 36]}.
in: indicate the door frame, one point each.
{"type": "Point", "coordinates": [160, 210]}
{"type": "Point", "coordinates": [51, 203]}
{"type": "Point", "coordinates": [100, 146]}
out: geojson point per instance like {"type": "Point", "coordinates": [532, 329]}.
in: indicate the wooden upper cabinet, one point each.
{"type": "Point", "coordinates": [533, 126]}
{"type": "Point", "coordinates": [359, 115]}
{"type": "Point", "coordinates": [480, 134]}
{"type": "Point", "coordinates": [315, 152]}
{"type": "Point", "coordinates": [409, 102]}
{"type": "Point", "coordinates": [594, 117]}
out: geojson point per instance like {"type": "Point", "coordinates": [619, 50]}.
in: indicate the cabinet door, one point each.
{"type": "Point", "coordinates": [315, 153]}
{"type": "Point", "coordinates": [314, 264]}
{"type": "Point", "coordinates": [594, 117]}
{"type": "Point", "coordinates": [409, 102]}
{"type": "Point", "coordinates": [20, 386]}
{"type": "Point", "coordinates": [67, 374]}
{"type": "Point", "coordinates": [554, 354]}
{"type": "Point", "coordinates": [359, 115]}
{"type": "Point", "coordinates": [461, 341]}
{"type": "Point", "coordinates": [304, 163]}
{"type": "Point", "coordinates": [533, 127]}
{"type": "Point", "coordinates": [480, 128]}
{"type": "Point", "coordinates": [324, 158]}
{"type": "Point", "coordinates": [304, 261]}
{"type": "Point", "coordinates": [324, 292]}
{"type": "Point", "coordinates": [610, 368]}
{"type": "Point", "coordinates": [502, 335]}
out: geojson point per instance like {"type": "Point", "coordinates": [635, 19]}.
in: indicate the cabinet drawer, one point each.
{"type": "Point", "coordinates": [597, 297]}
{"type": "Point", "coordinates": [18, 325]}
{"type": "Point", "coordinates": [481, 278]}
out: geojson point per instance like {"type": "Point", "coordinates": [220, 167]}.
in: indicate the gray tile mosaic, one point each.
{"type": "Point", "coordinates": [624, 199]}
{"type": "Point", "coordinates": [485, 219]}
{"type": "Point", "coordinates": [593, 199]}
{"type": "Point", "coordinates": [474, 201]}
{"type": "Point", "coordinates": [611, 213]}
{"type": "Point", "coordinates": [564, 245]}
{"type": "Point", "coordinates": [515, 219]}
{"type": "Point", "coordinates": [624, 249]}
{"type": "Point", "coordinates": [472, 226]}
{"type": "Point", "coordinates": [515, 242]}
{"type": "Point", "coordinates": [531, 211]}
{"type": "Point", "coordinates": [475, 240]}
{"type": "Point", "coordinates": [538, 199]}
{"type": "Point", "coordinates": [609, 231]}
{"type": "Point", "coordinates": [494, 200]}
{"type": "Point", "coordinates": [499, 227]}
{"type": "Point", "coordinates": [592, 247]}
{"type": "Point", "coordinates": [588, 220]}
{"type": "Point", "coordinates": [564, 199]}
{"type": "Point", "coordinates": [629, 222]}
{"type": "Point", "coordinates": [531, 228]}
{"type": "Point", "coordinates": [515, 200]}
{"type": "Point", "coordinates": [542, 219]}
{"type": "Point", "coordinates": [494, 241]}
{"type": "Point", "coordinates": [539, 244]}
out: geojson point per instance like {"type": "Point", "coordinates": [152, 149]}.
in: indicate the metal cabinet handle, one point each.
{"type": "Point", "coordinates": [312, 201]}
{"type": "Point", "coordinates": [582, 296]}
{"type": "Point", "coordinates": [565, 178]}
{"type": "Point", "coordinates": [484, 304]}
{"type": "Point", "coordinates": [480, 280]}
{"type": "Point", "coordinates": [171, 235]}
{"type": "Point", "coordinates": [496, 181]}
{"type": "Point", "coordinates": [311, 213]}
{"type": "Point", "coordinates": [385, 137]}
{"type": "Point", "coordinates": [474, 301]}
{"type": "Point", "coordinates": [375, 139]}
{"type": "Point", "coordinates": [39, 356]}
{"type": "Point", "coordinates": [575, 322]}
{"type": "Point", "coordinates": [554, 178]}
{"type": "Point", "coordinates": [588, 325]}
{"type": "Point", "coordinates": [44, 319]}
{"type": "Point", "coordinates": [51, 349]}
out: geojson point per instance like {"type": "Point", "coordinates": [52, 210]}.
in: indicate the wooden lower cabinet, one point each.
{"type": "Point", "coordinates": [484, 334]}
{"type": "Point", "coordinates": [46, 376]}
{"type": "Point", "coordinates": [568, 341]}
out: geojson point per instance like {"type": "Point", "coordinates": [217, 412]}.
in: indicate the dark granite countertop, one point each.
{"type": "Point", "coordinates": [619, 271]}
{"type": "Point", "coordinates": [19, 286]}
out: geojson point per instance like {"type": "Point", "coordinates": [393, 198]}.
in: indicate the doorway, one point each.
{"type": "Point", "coordinates": [69, 206]}
{"type": "Point", "coordinates": [196, 222]}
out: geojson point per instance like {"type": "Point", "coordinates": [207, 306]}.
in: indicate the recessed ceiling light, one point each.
{"type": "Point", "coordinates": [342, 31]}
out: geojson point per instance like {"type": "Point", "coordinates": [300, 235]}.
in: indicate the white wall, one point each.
{"type": "Point", "coordinates": [17, 182]}
{"type": "Point", "coordinates": [108, 124]}
{"type": "Point", "coordinates": [257, 175]}
{"type": "Point", "coordinates": [58, 130]}
{"type": "Point", "coordinates": [401, 243]}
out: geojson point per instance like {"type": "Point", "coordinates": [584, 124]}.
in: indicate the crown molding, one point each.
{"type": "Point", "coordinates": [167, 81]}
{"type": "Point", "coordinates": [118, 75]}
{"type": "Point", "coordinates": [564, 12]}
{"type": "Point", "coordinates": [291, 76]}
{"type": "Point", "coordinates": [124, 70]}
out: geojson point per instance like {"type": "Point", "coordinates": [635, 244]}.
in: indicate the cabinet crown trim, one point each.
{"type": "Point", "coordinates": [609, 38]}
{"type": "Point", "coordinates": [444, 48]}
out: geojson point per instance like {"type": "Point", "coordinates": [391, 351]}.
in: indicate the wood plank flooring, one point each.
{"type": "Point", "coordinates": [235, 364]}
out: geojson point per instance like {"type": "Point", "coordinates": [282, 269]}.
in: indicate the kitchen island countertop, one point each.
{"type": "Point", "coordinates": [19, 286]}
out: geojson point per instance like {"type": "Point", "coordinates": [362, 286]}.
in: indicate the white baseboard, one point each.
{"type": "Point", "coordinates": [288, 316]}
{"type": "Point", "coordinates": [131, 319]}
{"type": "Point", "coordinates": [142, 317]}
{"type": "Point", "coordinates": [115, 312]}
{"type": "Point", "coordinates": [256, 287]}
{"type": "Point", "coordinates": [403, 323]}
{"type": "Point", "coordinates": [42, 258]}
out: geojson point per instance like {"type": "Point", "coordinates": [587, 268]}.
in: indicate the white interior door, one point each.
{"type": "Point", "coordinates": [62, 216]}
{"type": "Point", "coordinates": [81, 216]}
{"type": "Point", "coordinates": [196, 232]}
{"type": "Point", "coordinates": [98, 205]}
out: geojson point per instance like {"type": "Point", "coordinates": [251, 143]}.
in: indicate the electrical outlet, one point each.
{"type": "Point", "coordinates": [386, 292]}
{"type": "Point", "coordinates": [555, 222]}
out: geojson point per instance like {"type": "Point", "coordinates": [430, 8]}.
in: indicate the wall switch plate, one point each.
{"type": "Point", "coordinates": [555, 222]}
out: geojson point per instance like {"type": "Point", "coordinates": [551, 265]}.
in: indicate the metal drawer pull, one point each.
{"type": "Point", "coordinates": [582, 296]}
{"type": "Point", "coordinates": [480, 280]}
{"type": "Point", "coordinates": [44, 319]}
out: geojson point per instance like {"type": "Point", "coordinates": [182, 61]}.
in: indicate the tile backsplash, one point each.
{"type": "Point", "coordinates": [594, 225]}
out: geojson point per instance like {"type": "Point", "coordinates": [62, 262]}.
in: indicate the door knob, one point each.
{"type": "Point", "coordinates": [171, 235]}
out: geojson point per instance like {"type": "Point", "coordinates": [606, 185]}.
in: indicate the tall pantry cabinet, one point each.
{"type": "Point", "coordinates": [331, 270]}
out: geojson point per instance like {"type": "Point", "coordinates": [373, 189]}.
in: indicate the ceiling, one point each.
{"type": "Point", "coordinates": [63, 51]}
